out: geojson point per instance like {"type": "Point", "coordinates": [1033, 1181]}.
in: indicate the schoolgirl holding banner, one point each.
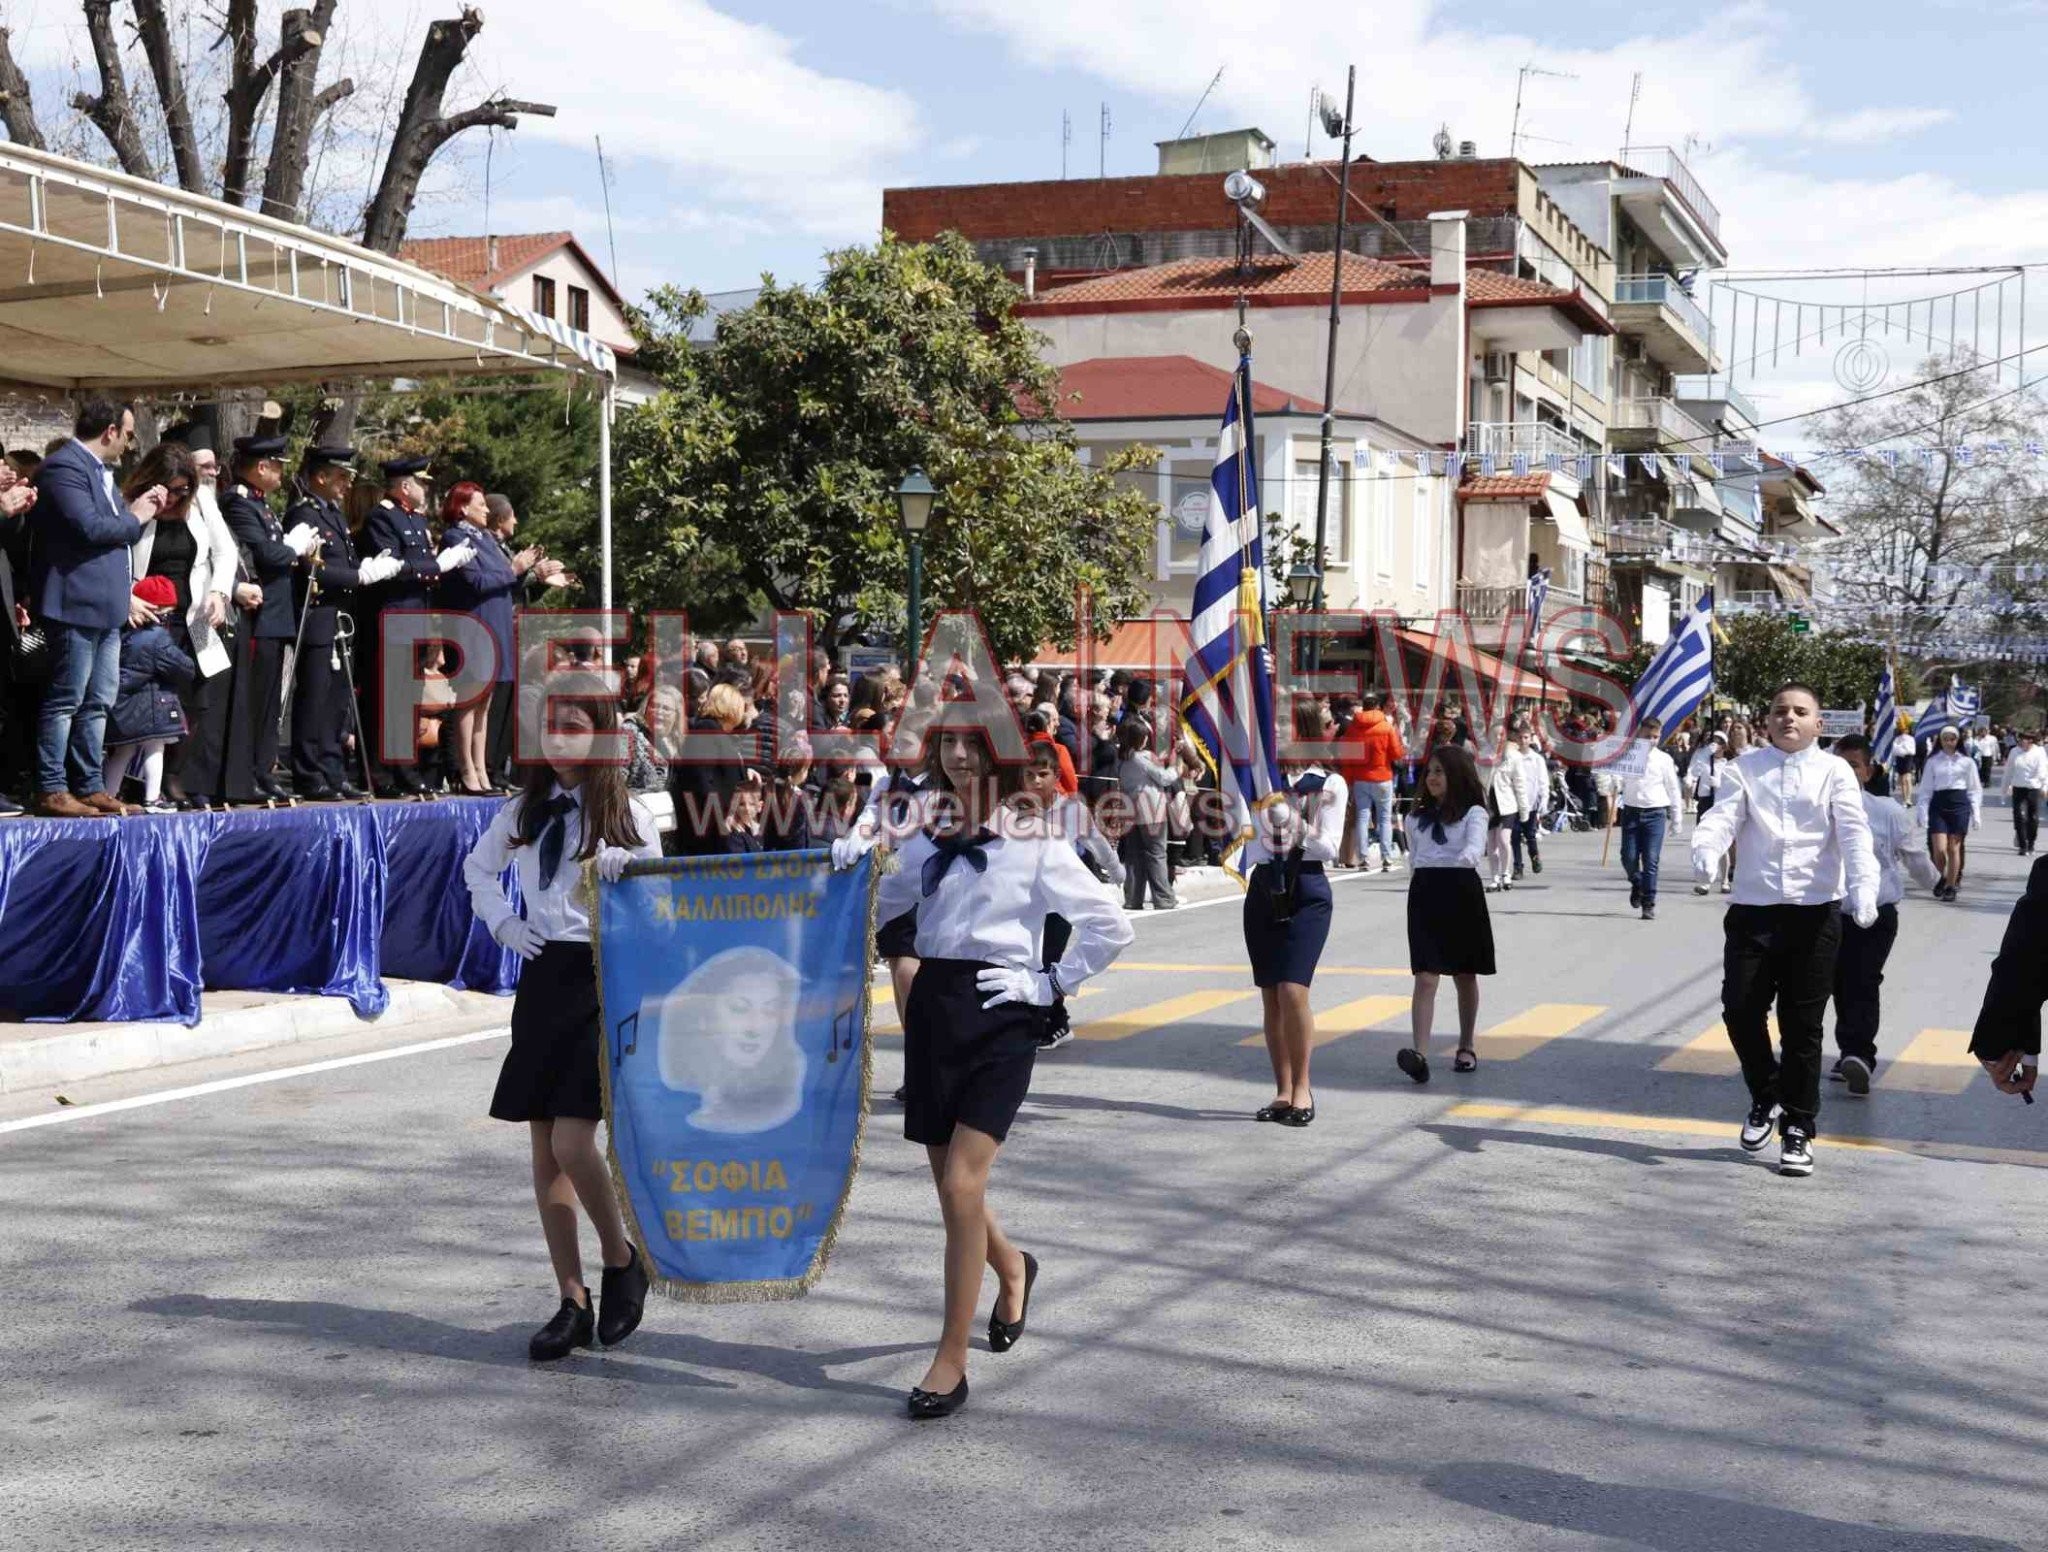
{"type": "Point", "coordinates": [572, 808]}
{"type": "Point", "coordinates": [982, 886]}
{"type": "Point", "coordinates": [1287, 909]}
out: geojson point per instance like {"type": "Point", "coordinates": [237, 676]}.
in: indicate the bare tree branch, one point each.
{"type": "Point", "coordinates": [302, 33]}
{"type": "Point", "coordinates": [423, 129]}
{"type": "Point", "coordinates": [17, 104]}
{"type": "Point", "coordinates": [113, 111]}
{"type": "Point", "coordinates": [330, 94]}
{"type": "Point", "coordinates": [291, 142]}
{"type": "Point", "coordinates": [153, 26]}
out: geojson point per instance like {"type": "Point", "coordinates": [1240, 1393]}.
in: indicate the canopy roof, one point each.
{"type": "Point", "coordinates": [108, 281]}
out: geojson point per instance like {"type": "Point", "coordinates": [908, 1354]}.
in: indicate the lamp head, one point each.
{"type": "Point", "coordinates": [1301, 584]}
{"type": "Point", "coordinates": [914, 498]}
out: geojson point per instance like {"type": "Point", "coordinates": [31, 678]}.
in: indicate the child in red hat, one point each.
{"type": "Point", "coordinates": [149, 715]}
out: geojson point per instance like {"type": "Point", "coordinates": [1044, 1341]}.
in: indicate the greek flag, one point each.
{"type": "Point", "coordinates": [1681, 673]}
{"type": "Point", "coordinates": [1228, 703]}
{"type": "Point", "coordinates": [1539, 595]}
{"type": "Point", "coordinates": [1964, 700]}
{"type": "Point", "coordinates": [1884, 721]}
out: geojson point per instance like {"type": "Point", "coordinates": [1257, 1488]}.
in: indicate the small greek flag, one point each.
{"type": "Point", "coordinates": [1539, 595]}
{"type": "Point", "coordinates": [1681, 675]}
{"type": "Point", "coordinates": [1884, 722]}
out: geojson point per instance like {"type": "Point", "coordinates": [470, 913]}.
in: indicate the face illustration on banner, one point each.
{"type": "Point", "coordinates": [728, 1034]}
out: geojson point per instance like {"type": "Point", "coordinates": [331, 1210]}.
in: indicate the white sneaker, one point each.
{"type": "Point", "coordinates": [1756, 1131]}
{"type": "Point", "coordinates": [1795, 1153]}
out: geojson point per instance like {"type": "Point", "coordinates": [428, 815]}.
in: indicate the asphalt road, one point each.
{"type": "Point", "coordinates": [1547, 1306]}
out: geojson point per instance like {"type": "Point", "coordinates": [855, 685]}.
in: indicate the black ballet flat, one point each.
{"type": "Point", "coordinates": [1299, 1115]}
{"type": "Point", "coordinates": [574, 1326]}
{"type": "Point", "coordinates": [1003, 1334]}
{"type": "Point", "coordinates": [1273, 1112]}
{"type": "Point", "coordinates": [1412, 1062]}
{"type": "Point", "coordinates": [1465, 1061]}
{"type": "Point", "coordinates": [928, 1404]}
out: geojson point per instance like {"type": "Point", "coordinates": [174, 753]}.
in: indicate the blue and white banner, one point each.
{"type": "Point", "coordinates": [735, 1003]}
{"type": "Point", "coordinates": [1681, 674]}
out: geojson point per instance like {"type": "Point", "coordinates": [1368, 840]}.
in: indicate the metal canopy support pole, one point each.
{"type": "Point", "coordinates": [604, 495]}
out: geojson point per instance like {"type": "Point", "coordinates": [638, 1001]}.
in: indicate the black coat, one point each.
{"type": "Point", "coordinates": [154, 669]}
{"type": "Point", "coordinates": [701, 784]}
{"type": "Point", "coordinates": [337, 571]}
{"type": "Point", "coordinates": [2010, 1019]}
{"type": "Point", "coordinates": [270, 561]}
{"type": "Point", "coordinates": [392, 530]}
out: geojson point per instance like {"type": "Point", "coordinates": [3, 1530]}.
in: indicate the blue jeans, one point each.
{"type": "Point", "coordinates": [1642, 839]}
{"type": "Point", "coordinates": [1374, 801]}
{"type": "Point", "coordinates": [71, 728]}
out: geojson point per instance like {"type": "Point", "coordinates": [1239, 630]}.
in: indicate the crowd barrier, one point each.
{"type": "Point", "coordinates": [135, 918]}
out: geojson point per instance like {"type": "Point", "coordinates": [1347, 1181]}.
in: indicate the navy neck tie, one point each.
{"type": "Point", "coordinates": [554, 831]}
{"type": "Point", "coordinates": [971, 849]}
{"type": "Point", "coordinates": [1433, 822]}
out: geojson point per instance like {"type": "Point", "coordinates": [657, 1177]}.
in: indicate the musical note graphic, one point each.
{"type": "Point", "coordinates": [845, 1028]}
{"type": "Point", "coordinates": [628, 1032]}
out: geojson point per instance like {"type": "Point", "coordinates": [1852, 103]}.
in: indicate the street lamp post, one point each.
{"type": "Point", "coordinates": [914, 499]}
{"type": "Point", "coordinates": [1304, 584]}
{"type": "Point", "coordinates": [1332, 126]}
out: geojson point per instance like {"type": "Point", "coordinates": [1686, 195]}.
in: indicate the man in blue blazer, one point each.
{"type": "Point", "coordinates": [79, 586]}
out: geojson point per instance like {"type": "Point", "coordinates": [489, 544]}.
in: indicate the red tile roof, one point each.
{"type": "Point", "coordinates": [1158, 388]}
{"type": "Point", "coordinates": [467, 260]}
{"type": "Point", "coordinates": [1505, 487]}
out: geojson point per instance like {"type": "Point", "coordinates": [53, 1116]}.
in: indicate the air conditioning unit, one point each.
{"type": "Point", "coordinates": [1497, 366]}
{"type": "Point", "coordinates": [1629, 347]}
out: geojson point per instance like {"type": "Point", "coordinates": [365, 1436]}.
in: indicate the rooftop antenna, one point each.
{"type": "Point", "coordinates": [1628, 128]}
{"type": "Point", "coordinates": [604, 180]}
{"type": "Point", "coordinates": [1102, 146]}
{"type": "Point", "coordinates": [1066, 139]}
{"type": "Point", "coordinates": [1214, 81]}
{"type": "Point", "coordinates": [1521, 79]}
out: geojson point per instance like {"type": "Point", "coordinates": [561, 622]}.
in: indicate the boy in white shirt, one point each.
{"type": "Point", "coordinates": [1795, 816]}
{"type": "Point", "coordinates": [2026, 776]}
{"type": "Point", "coordinates": [1650, 804]}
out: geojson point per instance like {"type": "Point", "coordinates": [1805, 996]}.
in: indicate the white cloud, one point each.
{"type": "Point", "coordinates": [1866, 125]}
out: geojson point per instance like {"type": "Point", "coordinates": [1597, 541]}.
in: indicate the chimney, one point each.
{"type": "Point", "coordinates": [1030, 273]}
{"type": "Point", "coordinates": [490, 255]}
{"type": "Point", "coordinates": [1447, 249]}
{"type": "Point", "coordinates": [1468, 149]}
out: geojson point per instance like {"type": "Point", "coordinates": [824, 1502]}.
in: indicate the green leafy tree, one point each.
{"type": "Point", "coordinates": [1755, 653]}
{"type": "Point", "coordinates": [764, 474]}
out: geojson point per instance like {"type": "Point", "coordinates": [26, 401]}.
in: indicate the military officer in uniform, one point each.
{"type": "Point", "coordinates": [322, 714]}
{"type": "Point", "coordinates": [275, 561]}
{"type": "Point", "coordinates": [397, 527]}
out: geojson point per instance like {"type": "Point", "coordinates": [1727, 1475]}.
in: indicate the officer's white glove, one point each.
{"type": "Point", "coordinates": [852, 846]}
{"type": "Point", "coordinates": [1000, 985]}
{"type": "Point", "coordinates": [303, 540]}
{"type": "Point", "coordinates": [456, 555]}
{"type": "Point", "coordinates": [611, 863]}
{"type": "Point", "coordinates": [379, 568]}
{"type": "Point", "coordinates": [520, 936]}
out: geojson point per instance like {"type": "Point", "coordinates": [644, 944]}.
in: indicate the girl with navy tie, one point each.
{"type": "Point", "coordinates": [1287, 917]}
{"type": "Point", "coordinates": [574, 807]}
{"type": "Point", "coordinates": [1449, 931]}
{"type": "Point", "coordinates": [982, 881]}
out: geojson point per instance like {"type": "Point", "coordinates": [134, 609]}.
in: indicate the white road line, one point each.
{"type": "Point", "coordinates": [249, 1080]}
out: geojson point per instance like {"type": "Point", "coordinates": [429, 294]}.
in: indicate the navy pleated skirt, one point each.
{"type": "Point", "coordinates": [1286, 950]}
{"type": "Point", "coordinates": [963, 1064]}
{"type": "Point", "coordinates": [551, 1070]}
{"type": "Point", "coordinates": [1948, 813]}
{"type": "Point", "coordinates": [1449, 930]}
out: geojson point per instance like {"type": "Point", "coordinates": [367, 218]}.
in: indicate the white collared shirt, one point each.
{"type": "Point", "coordinates": [2027, 768]}
{"type": "Point", "coordinates": [1656, 787]}
{"type": "Point", "coordinates": [556, 912]}
{"type": "Point", "coordinates": [1463, 845]}
{"type": "Point", "coordinates": [1898, 850]}
{"type": "Point", "coordinates": [1949, 773]}
{"type": "Point", "coordinates": [1535, 780]}
{"type": "Point", "coordinates": [1322, 817]}
{"type": "Point", "coordinates": [998, 915]}
{"type": "Point", "coordinates": [1797, 824]}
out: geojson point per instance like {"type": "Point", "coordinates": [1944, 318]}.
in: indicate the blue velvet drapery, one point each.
{"type": "Point", "coordinates": [106, 919]}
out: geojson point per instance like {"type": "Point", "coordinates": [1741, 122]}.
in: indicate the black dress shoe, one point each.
{"type": "Point", "coordinates": [349, 792]}
{"type": "Point", "coordinates": [928, 1404]}
{"type": "Point", "coordinates": [1299, 1115]}
{"type": "Point", "coordinates": [318, 795]}
{"type": "Point", "coordinates": [1412, 1062]}
{"type": "Point", "coordinates": [1277, 1111]}
{"type": "Point", "coordinates": [270, 787]}
{"type": "Point", "coordinates": [570, 1329]}
{"type": "Point", "coordinates": [1003, 1334]}
{"type": "Point", "coordinates": [621, 1299]}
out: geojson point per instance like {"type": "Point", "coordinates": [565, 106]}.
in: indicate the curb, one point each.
{"type": "Point", "coordinates": [73, 1053]}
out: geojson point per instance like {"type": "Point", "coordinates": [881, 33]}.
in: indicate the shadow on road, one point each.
{"type": "Point", "coordinates": [1671, 1519]}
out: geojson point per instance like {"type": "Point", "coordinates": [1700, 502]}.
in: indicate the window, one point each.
{"type": "Point", "coordinates": [544, 295]}
{"type": "Point", "coordinates": [579, 308]}
{"type": "Point", "coordinates": [1301, 508]}
{"type": "Point", "coordinates": [1383, 526]}
{"type": "Point", "coordinates": [1422, 537]}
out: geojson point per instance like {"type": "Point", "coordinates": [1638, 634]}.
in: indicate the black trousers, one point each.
{"type": "Point", "coordinates": [199, 762]}
{"type": "Point", "coordinates": [2026, 816]}
{"type": "Point", "coordinates": [259, 703]}
{"type": "Point", "coordinates": [498, 732]}
{"type": "Point", "coordinates": [320, 720]}
{"type": "Point", "coordinates": [1782, 954]}
{"type": "Point", "coordinates": [1859, 972]}
{"type": "Point", "coordinates": [1524, 834]}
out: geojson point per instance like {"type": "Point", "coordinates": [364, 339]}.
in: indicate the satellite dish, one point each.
{"type": "Point", "coordinates": [1332, 115]}
{"type": "Point", "coordinates": [1441, 143]}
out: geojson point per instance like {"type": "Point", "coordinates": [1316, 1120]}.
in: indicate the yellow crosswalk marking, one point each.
{"type": "Point", "coordinates": [1515, 1036]}
{"type": "Point", "coordinates": [1935, 1061]}
{"type": "Point", "coordinates": [1349, 1018]}
{"type": "Point", "coordinates": [1707, 1052]}
{"type": "Point", "coordinates": [1240, 967]}
{"type": "Point", "coordinates": [1122, 1026]}
{"type": "Point", "coordinates": [882, 1011]}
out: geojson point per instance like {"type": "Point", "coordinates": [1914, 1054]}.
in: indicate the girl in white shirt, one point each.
{"type": "Point", "coordinates": [1449, 931]}
{"type": "Point", "coordinates": [982, 882]}
{"type": "Point", "coordinates": [1950, 802]}
{"type": "Point", "coordinates": [1287, 909]}
{"type": "Point", "coordinates": [573, 808]}
{"type": "Point", "coordinates": [1506, 804]}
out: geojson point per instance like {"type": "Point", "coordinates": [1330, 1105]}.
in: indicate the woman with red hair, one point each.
{"type": "Point", "coordinates": [482, 589]}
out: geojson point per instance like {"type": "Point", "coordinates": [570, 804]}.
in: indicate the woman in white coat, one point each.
{"type": "Point", "coordinates": [1507, 805]}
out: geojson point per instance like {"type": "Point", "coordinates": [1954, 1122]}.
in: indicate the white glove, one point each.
{"type": "Point", "coordinates": [611, 863]}
{"type": "Point", "coordinates": [519, 935]}
{"type": "Point", "coordinates": [851, 847]}
{"type": "Point", "coordinates": [456, 555]}
{"type": "Point", "coordinates": [379, 568]}
{"type": "Point", "coordinates": [1006, 985]}
{"type": "Point", "coordinates": [1702, 871]}
{"type": "Point", "coordinates": [303, 540]}
{"type": "Point", "coordinates": [1976, 822]}
{"type": "Point", "coordinates": [1863, 913]}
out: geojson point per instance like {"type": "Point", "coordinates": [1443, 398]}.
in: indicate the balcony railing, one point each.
{"type": "Point", "coordinates": [1663, 162]}
{"type": "Point", "coordinates": [1641, 539]}
{"type": "Point", "coordinates": [1696, 386]}
{"type": "Point", "coordinates": [1504, 439]}
{"type": "Point", "coordinates": [1667, 293]}
{"type": "Point", "coordinates": [1664, 417]}
{"type": "Point", "coordinates": [1497, 603]}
